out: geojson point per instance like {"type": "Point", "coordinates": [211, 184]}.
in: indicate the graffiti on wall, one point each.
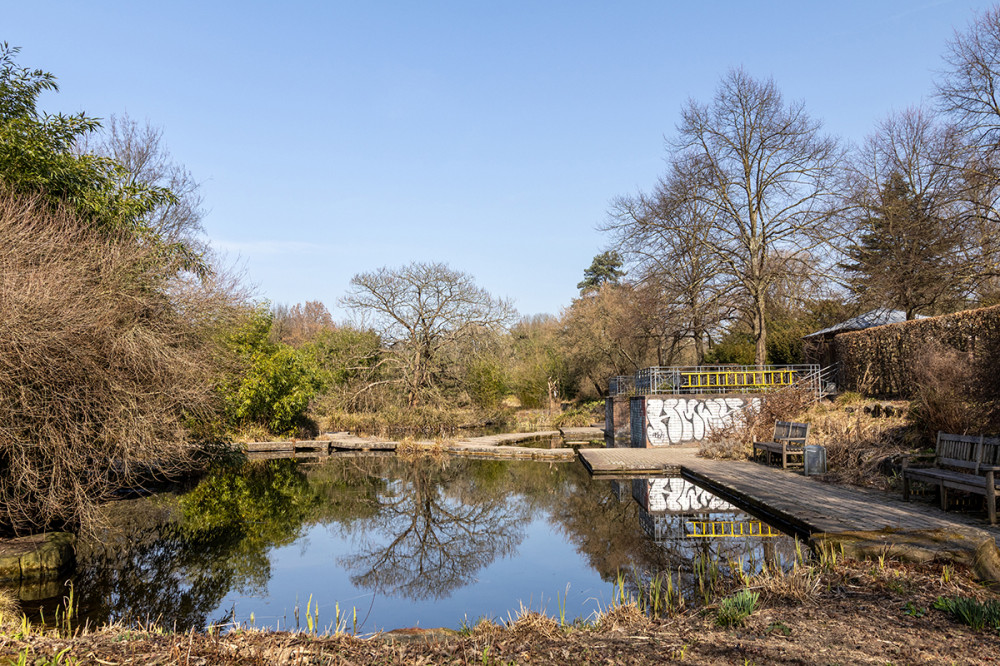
{"type": "Point", "coordinates": [676, 495]}
{"type": "Point", "coordinates": [677, 420]}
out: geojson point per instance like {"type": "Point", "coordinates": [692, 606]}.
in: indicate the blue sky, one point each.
{"type": "Point", "coordinates": [337, 137]}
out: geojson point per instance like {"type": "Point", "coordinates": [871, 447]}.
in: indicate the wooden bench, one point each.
{"type": "Point", "coordinates": [961, 462]}
{"type": "Point", "coordinates": [789, 440]}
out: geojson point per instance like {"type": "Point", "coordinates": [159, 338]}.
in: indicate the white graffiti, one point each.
{"type": "Point", "coordinates": [677, 420]}
{"type": "Point", "coordinates": [676, 495]}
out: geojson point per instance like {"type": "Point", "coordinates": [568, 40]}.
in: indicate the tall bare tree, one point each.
{"type": "Point", "coordinates": [968, 94]}
{"type": "Point", "coordinates": [767, 179]}
{"type": "Point", "coordinates": [918, 245]}
{"type": "Point", "coordinates": [970, 89]}
{"type": "Point", "coordinates": [423, 311]}
{"type": "Point", "coordinates": [662, 234]}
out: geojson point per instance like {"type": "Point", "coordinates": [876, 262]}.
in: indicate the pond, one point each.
{"type": "Point", "coordinates": [402, 542]}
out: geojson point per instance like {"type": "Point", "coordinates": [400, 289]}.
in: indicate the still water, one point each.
{"type": "Point", "coordinates": [403, 542]}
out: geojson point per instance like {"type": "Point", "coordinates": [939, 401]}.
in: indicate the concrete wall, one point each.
{"type": "Point", "coordinates": [665, 420]}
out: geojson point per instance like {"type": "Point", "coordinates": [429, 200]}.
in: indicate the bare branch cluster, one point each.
{"type": "Point", "coordinates": [421, 311]}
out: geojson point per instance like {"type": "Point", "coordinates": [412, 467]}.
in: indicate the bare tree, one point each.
{"type": "Point", "coordinates": [422, 311]}
{"type": "Point", "coordinates": [662, 235]}
{"type": "Point", "coordinates": [969, 90]}
{"type": "Point", "coordinates": [766, 178]}
{"type": "Point", "coordinates": [918, 247]}
{"type": "Point", "coordinates": [141, 150]}
{"type": "Point", "coordinates": [968, 93]}
{"type": "Point", "coordinates": [297, 324]}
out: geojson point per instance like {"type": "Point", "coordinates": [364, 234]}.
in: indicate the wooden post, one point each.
{"type": "Point", "coordinates": [906, 481]}
{"type": "Point", "coordinates": [991, 498]}
{"type": "Point", "coordinates": [784, 454]}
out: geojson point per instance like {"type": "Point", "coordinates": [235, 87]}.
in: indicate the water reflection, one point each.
{"type": "Point", "coordinates": [418, 541]}
{"type": "Point", "coordinates": [434, 528]}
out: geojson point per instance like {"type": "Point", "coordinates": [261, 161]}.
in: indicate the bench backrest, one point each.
{"type": "Point", "coordinates": [967, 451]}
{"type": "Point", "coordinates": [790, 430]}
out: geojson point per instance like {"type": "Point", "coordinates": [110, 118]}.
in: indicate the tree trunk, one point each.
{"type": "Point", "coordinates": [759, 331]}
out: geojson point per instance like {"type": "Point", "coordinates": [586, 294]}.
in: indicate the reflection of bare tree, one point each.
{"type": "Point", "coordinates": [438, 528]}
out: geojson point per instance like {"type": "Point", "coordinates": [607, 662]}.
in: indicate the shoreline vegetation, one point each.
{"type": "Point", "coordinates": [830, 611]}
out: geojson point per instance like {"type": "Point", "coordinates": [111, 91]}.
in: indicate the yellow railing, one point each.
{"type": "Point", "coordinates": [759, 380]}
{"type": "Point", "coordinates": [716, 529]}
{"type": "Point", "coordinates": [716, 379]}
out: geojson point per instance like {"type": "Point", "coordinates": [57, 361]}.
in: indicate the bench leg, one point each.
{"type": "Point", "coordinates": [944, 497]}
{"type": "Point", "coordinates": [906, 489]}
{"type": "Point", "coordinates": [991, 498]}
{"type": "Point", "coordinates": [784, 455]}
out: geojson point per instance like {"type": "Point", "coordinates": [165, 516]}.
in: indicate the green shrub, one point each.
{"type": "Point", "coordinates": [733, 610]}
{"type": "Point", "coordinates": [274, 385]}
{"type": "Point", "coordinates": [968, 611]}
{"type": "Point", "coordinates": [486, 383]}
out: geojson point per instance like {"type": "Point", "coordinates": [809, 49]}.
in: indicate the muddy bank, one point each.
{"type": "Point", "coordinates": [859, 613]}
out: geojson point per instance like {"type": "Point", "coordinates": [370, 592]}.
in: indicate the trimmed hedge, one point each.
{"type": "Point", "coordinates": [880, 361]}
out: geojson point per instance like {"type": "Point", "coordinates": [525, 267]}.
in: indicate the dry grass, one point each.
{"type": "Point", "coordinates": [622, 617]}
{"type": "Point", "coordinates": [858, 446]}
{"type": "Point", "coordinates": [802, 584]}
{"type": "Point", "coordinates": [529, 624]}
{"type": "Point", "coordinates": [756, 424]}
{"type": "Point", "coordinates": [10, 607]}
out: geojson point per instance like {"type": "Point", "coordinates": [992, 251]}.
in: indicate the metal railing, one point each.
{"type": "Point", "coordinates": [723, 379]}
{"type": "Point", "coordinates": [621, 385]}
{"type": "Point", "coordinates": [733, 529]}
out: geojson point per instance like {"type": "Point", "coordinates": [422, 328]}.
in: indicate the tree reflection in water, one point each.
{"type": "Point", "coordinates": [435, 529]}
{"type": "Point", "coordinates": [173, 559]}
{"type": "Point", "coordinates": [415, 529]}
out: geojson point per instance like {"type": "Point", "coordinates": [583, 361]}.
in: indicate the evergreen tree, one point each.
{"type": "Point", "coordinates": [904, 258]}
{"type": "Point", "coordinates": [604, 269]}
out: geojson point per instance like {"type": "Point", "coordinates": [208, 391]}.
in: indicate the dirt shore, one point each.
{"type": "Point", "coordinates": [857, 613]}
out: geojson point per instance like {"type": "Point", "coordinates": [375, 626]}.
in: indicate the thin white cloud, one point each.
{"type": "Point", "coordinates": [272, 247]}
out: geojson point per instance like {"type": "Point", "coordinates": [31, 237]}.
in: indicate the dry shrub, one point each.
{"type": "Point", "coordinates": [622, 617]}
{"type": "Point", "coordinates": [105, 359]}
{"type": "Point", "coordinates": [859, 445]}
{"type": "Point", "coordinates": [945, 391]}
{"type": "Point", "coordinates": [756, 423]}
{"type": "Point", "coordinates": [531, 625]}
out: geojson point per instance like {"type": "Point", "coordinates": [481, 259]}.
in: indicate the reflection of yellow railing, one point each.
{"type": "Point", "coordinates": [710, 529]}
{"type": "Point", "coordinates": [742, 379]}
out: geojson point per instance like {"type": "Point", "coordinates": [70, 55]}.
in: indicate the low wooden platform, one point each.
{"type": "Point", "coordinates": [636, 462]}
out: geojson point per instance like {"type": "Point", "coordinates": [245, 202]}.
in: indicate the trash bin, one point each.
{"type": "Point", "coordinates": [815, 460]}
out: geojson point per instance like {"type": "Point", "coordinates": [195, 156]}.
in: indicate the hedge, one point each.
{"type": "Point", "coordinates": [879, 361]}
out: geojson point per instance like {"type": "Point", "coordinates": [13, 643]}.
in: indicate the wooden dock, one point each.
{"type": "Point", "coordinates": [863, 522]}
{"type": "Point", "coordinates": [636, 462]}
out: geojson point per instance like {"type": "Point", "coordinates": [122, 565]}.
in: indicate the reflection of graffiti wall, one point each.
{"type": "Point", "coordinates": [676, 495]}
{"type": "Point", "coordinates": [672, 420]}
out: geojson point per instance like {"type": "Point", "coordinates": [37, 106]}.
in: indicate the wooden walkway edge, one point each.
{"type": "Point", "coordinates": [861, 522]}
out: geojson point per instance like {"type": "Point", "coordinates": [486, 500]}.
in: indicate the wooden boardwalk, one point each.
{"type": "Point", "coordinates": [632, 462]}
{"type": "Point", "coordinates": [499, 447]}
{"type": "Point", "coordinates": [866, 522]}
